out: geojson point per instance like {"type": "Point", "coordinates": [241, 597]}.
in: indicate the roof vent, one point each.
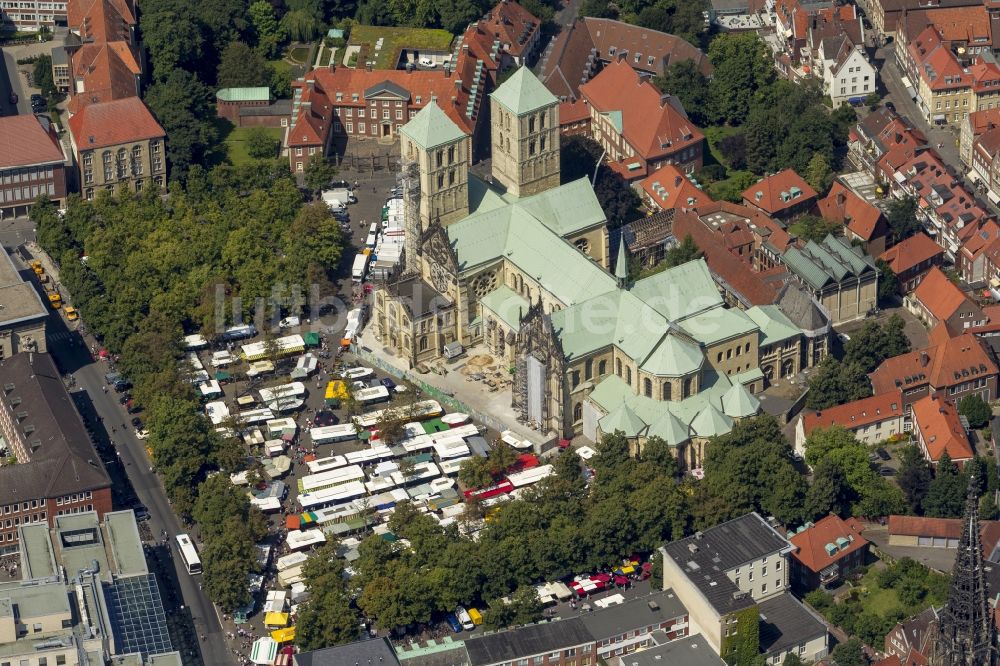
{"type": "Point", "coordinates": [29, 428]}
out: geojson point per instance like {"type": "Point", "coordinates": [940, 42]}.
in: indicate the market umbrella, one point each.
{"type": "Point", "coordinates": [264, 650]}
{"type": "Point", "coordinates": [281, 464]}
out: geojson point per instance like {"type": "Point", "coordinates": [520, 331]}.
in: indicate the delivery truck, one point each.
{"type": "Point", "coordinates": [360, 268]}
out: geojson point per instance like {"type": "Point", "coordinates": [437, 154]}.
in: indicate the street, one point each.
{"type": "Point", "coordinates": [72, 355]}
{"type": "Point", "coordinates": [944, 139]}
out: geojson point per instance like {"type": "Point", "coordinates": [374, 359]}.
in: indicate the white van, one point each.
{"type": "Point", "coordinates": [464, 619]}
{"type": "Point", "coordinates": [360, 268]}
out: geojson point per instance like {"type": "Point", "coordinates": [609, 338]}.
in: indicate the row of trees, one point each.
{"type": "Point", "coordinates": [563, 526]}
{"type": "Point", "coordinates": [143, 270]}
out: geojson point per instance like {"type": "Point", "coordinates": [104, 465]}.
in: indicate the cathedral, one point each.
{"type": "Point", "coordinates": [519, 266]}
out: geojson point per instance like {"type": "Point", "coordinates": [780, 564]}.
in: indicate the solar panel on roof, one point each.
{"type": "Point", "coordinates": [138, 620]}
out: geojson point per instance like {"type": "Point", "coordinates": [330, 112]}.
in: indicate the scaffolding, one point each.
{"type": "Point", "coordinates": [409, 181]}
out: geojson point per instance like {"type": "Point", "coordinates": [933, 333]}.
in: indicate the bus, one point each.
{"type": "Point", "coordinates": [345, 432]}
{"type": "Point", "coordinates": [189, 554]}
{"type": "Point", "coordinates": [418, 411]}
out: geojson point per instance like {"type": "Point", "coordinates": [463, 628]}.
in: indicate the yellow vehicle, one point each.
{"type": "Point", "coordinates": [71, 313]}
{"type": "Point", "coordinates": [336, 391]}
{"type": "Point", "coordinates": [477, 617]}
{"type": "Point", "coordinates": [55, 300]}
{"type": "Point", "coordinates": [36, 266]}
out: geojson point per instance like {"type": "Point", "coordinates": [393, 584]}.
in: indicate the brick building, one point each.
{"type": "Point", "coordinates": [826, 552]}
{"type": "Point", "coordinates": [640, 128]}
{"type": "Point", "coordinates": [252, 107]}
{"type": "Point", "coordinates": [784, 195]}
{"type": "Point", "coordinates": [32, 163]}
{"type": "Point", "coordinates": [911, 259]}
{"type": "Point", "coordinates": [58, 471]}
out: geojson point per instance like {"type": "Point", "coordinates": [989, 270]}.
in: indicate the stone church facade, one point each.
{"type": "Point", "coordinates": [520, 265]}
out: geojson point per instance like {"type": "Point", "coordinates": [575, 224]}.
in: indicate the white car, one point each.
{"type": "Point", "coordinates": [288, 322]}
{"type": "Point", "coordinates": [427, 62]}
{"type": "Point", "coordinates": [464, 619]}
{"type": "Point", "coordinates": [142, 434]}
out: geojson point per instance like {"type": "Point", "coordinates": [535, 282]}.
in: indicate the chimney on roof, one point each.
{"type": "Point", "coordinates": [677, 181]}
{"type": "Point", "coordinates": [841, 198]}
{"type": "Point", "coordinates": [924, 359]}
{"type": "Point", "coordinates": [311, 84]}
{"type": "Point", "coordinates": [454, 100]}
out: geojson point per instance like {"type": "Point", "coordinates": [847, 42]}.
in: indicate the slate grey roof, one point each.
{"type": "Point", "coordinates": [799, 306]}
{"type": "Point", "coordinates": [705, 559]}
{"type": "Point", "coordinates": [633, 614]}
{"type": "Point", "coordinates": [63, 460]}
{"type": "Point", "coordinates": [526, 641]}
{"type": "Point", "coordinates": [785, 622]}
{"type": "Point", "coordinates": [690, 651]}
{"type": "Point", "coordinates": [387, 87]}
{"type": "Point", "coordinates": [378, 650]}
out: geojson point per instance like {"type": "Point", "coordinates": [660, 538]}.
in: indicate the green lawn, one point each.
{"type": "Point", "coordinates": [235, 143]}
{"type": "Point", "coordinates": [299, 54]}
{"type": "Point", "coordinates": [395, 40]}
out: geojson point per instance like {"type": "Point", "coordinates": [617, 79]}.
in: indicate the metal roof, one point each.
{"type": "Point", "coordinates": [431, 128]}
{"type": "Point", "coordinates": [523, 93]}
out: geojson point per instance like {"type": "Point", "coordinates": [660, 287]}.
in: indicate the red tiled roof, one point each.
{"type": "Point", "coordinates": [936, 420]}
{"type": "Point", "coordinates": [113, 123]}
{"type": "Point", "coordinates": [513, 25]}
{"type": "Point", "coordinates": [959, 24]}
{"type": "Point", "coordinates": [772, 187]}
{"type": "Point", "coordinates": [101, 20]}
{"type": "Point", "coordinates": [937, 365]}
{"type": "Point", "coordinates": [767, 230]}
{"type": "Point", "coordinates": [911, 252]}
{"type": "Point", "coordinates": [985, 75]}
{"type": "Point", "coordinates": [857, 414]}
{"type": "Point", "coordinates": [571, 113]}
{"type": "Point", "coordinates": [843, 205]}
{"type": "Point", "coordinates": [650, 124]}
{"type": "Point", "coordinates": [735, 271]}
{"type": "Point", "coordinates": [811, 543]}
{"type": "Point", "coordinates": [939, 528]}
{"type": "Point", "coordinates": [24, 142]}
{"type": "Point", "coordinates": [106, 71]}
{"type": "Point", "coordinates": [670, 188]}
{"type": "Point", "coordinates": [939, 295]}
{"type": "Point", "coordinates": [980, 121]}
{"type": "Point", "coordinates": [568, 60]}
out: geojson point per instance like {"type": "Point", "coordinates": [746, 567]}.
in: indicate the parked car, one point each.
{"type": "Point", "coordinates": [388, 383]}
{"type": "Point", "coordinates": [141, 512]}
{"type": "Point", "coordinates": [137, 423]}
{"type": "Point", "coordinates": [427, 62]}
{"type": "Point", "coordinates": [882, 453]}
{"type": "Point", "coordinates": [464, 618]}
{"type": "Point", "coordinates": [142, 433]}
{"type": "Point", "coordinates": [453, 623]}
{"type": "Point", "coordinates": [288, 322]}
{"type": "Point", "coordinates": [887, 471]}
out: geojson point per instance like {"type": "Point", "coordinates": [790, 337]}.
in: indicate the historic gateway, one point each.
{"type": "Point", "coordinates": [520, 267]}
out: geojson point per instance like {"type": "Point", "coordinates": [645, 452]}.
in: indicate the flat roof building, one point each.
{"type": "Point", "coordinates": [86, 595]}
{"type": "Point", "coordinates": [57, 470]}
{"type": "Point", "coordinates": [22, 313]}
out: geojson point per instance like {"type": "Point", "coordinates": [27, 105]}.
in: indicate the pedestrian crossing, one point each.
{"type": "Point", "coordinates": [72, 336]}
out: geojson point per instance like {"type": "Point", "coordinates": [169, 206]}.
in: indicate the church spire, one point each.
{"type": "Point", "coordinates": [966, 633]}
{"type": "Point", "coordinates": [621, 263]}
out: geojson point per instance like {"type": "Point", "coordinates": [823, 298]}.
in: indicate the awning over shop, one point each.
{"type": "Point", "coordinates": [273, 619]}
{"type": "Point", "coordinates": [264, 651]}
{"type": "Point", "coordinates": [283, 635]}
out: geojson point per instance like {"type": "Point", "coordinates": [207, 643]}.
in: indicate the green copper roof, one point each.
{"type": "Point", "coordinates": [831, 260]}
{"type": "Point", "coordinates": [616, 119]}
{"type": "Point", "coordinates": [670, 429]}
{"type": "Point", "coordinates": [718, 324]}
{"type": "Point", "coordinates": [567, 209]}
{"type": "Point", "coordinates": [622, 419]}
{"type": "Point", "coordinates": [673, 357]}
{"type": "Point", "coordinates": [262, 94]}
{"type": "Point", "coordinates": [681, 291]}
{"type": "Point", "coordinates": [506, 304]}
{"type": "Point", "coordinates": [431, 128]}
{"type": "Point", "coordinates": [739, 402]}
{"type": "Point", "coordinates": [523, 93]}
{"type": "Point", "coordinates": [711, 422]}
{"type": "Point", "coordinates": [773, 324]}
